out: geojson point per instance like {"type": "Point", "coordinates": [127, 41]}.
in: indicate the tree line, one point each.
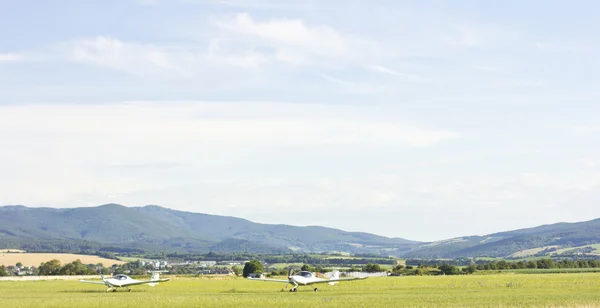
{"type": "Point", "coordinates": [54, 267]}
{"type": "Point", "coordinates": [540, 263]}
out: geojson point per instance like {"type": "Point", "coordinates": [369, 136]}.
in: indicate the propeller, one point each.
{"type": "Point", "coordinates": [104, 280]}
{"type": "Point", "coordinates": [289, 278]}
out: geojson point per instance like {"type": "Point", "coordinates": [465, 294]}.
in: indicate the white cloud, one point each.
{"type": "Point", "coordinates": [130, 57]}
{"type": "Point", "coordinates": [160, 60]}
{"type": "Point", "coordinates": [245, 59]}
{"type": "Point", "coordinates": [11, 57]}
{"type": "Point", "coordinates": [383, 70]}
{"type": "Point", "coordinates": [409, 77]}
{"type": "Point", "coordinates": [293, 41]}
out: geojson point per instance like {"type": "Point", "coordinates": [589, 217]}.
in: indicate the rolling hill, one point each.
{"type": "Point", "coordinates": [153, 228]}
{"type": "Point", "coordinates": [542, 240]}
{"type": "Point", "coordinates": [117, 228]}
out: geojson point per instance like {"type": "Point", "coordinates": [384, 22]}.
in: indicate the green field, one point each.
{"type": "Point", "coordinates": [508, 290]}
{"type": "Point", "coordinates": [595, 246]}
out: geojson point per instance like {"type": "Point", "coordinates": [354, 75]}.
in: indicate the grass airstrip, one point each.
{"type": "Point", "coordinates": [502, 290]}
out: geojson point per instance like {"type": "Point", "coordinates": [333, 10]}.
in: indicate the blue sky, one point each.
{"type": "Point", "coordinates": [417, 119]}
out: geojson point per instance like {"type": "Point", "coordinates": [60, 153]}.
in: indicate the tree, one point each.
{"type": "Point", "coordinates": [470, 269]}
{"type": "Point", "coordinates": [449, 269]}
{"type": "Point", "coordinates": [237, 270]}
{"type": "Point", "coordinates": [531, 264]}
{"type": "Point", "coordinates": [19, 264]}
{"type": "Point", "coordinates": [3, 271]}
{"type": "Point", "coordinates": [397, 269]}
{"type": "Point", "coordinates": [76, 268]}
{"type": "Point", "coordinates": [252, 267]}
{"type": "Point", "coordinates": [353, 269]}
{"type": "Point", "coordinates": [501, 265]}
{"type": "Point", "coordinates": [419, 271]}
{"type": "Point", "coordinates": [372, 268]}
{"type": "Point", "coordinates": [50, 268]}
{"type": "Point", "coordinates": [545, 263]}
{"type": "Point", "coordinates": [306, 267]}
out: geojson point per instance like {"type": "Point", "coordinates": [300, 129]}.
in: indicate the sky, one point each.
{"type": "Point", "coordinates": [419, 119]}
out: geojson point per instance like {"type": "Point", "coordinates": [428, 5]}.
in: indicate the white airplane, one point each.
{"type": "Point", "coordinates": [306, 278]}
{"type": "Point", "coordinates": [124, 281]}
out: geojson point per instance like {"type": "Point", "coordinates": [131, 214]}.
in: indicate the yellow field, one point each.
{"type": "Point", "coordinates": [35, 259]}
{"type": "Point", "coordinates": [507, 290]}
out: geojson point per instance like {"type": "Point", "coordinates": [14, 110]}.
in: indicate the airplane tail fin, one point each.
{"type": "Point", "coordinates": [335, 274]}
{"type": "Point", "coordinates": [155, 277]}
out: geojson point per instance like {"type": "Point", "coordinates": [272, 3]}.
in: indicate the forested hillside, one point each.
{"type": "Point", "coordinates": [153, 228]}
{"type": "Point", "coordinates": [505, 244]}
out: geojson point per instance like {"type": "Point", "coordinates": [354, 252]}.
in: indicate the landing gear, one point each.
{"type": "Point", "coordinates": [316, 289]}
{"type": "Point", "coordinates": [293, 289]}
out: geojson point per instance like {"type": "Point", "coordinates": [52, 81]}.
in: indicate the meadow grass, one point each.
{"type": "Point", "coordinates": [549, 290]}
{"type": "Point", "coordinates": [595, 246]}
{"type": "Point", "coordinates": [541, 271]}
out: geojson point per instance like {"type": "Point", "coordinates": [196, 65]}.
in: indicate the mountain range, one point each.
{"type": "Point", "coordinates": [157, 228]}
{"type": "Point", "coordinates": [114, 227]}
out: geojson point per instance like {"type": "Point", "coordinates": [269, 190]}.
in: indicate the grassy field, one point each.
{"type": "Point", "coordinates": [550, 290]}
{"type": "Point", "coordinates": [530, 252]}
{"type": "Point", "coordinates": [540, 271]}
{"type": "Point", "coordinates": [34, 259]}
{"type": "Point", "coordinates": [595, 246]}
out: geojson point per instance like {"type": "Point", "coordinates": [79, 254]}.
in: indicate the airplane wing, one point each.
{"type": "Point", "coordinates": [145, 281]}
{"type": "Point", "coordinates": [269, 280]}
{"type": "Point", "coordinates": [91, 281]}
{"type": "Point", "coordinates": [338, 279]}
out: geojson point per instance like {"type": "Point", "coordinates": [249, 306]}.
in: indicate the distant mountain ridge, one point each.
{"type": "Point", "coordinates": [157, 228]}
{"type": "Point", "coordinates": [115, 227]}
{"type": "Point", "coordinates": [509, 243]}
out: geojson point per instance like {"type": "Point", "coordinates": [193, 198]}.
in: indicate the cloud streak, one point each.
{"type": "Point", "coordinates": [293, 42]}
{"type": "Point", "coordinates": [130, 57]}
{"type": "Point", "coordinates": [11, 57]}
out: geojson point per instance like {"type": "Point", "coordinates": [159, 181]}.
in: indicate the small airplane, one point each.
{"type": "Point", "coordinates": [306, 278]}
{"type": "Point", "coordinates": [124, 281]}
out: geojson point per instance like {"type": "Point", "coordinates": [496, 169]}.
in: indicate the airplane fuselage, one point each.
{"type": "Point", "coordinates": [124, 281]}
{"type": "Point", "coordinates": [299, 280]}
{"type": "Point", "coordinates": [120, 282]}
